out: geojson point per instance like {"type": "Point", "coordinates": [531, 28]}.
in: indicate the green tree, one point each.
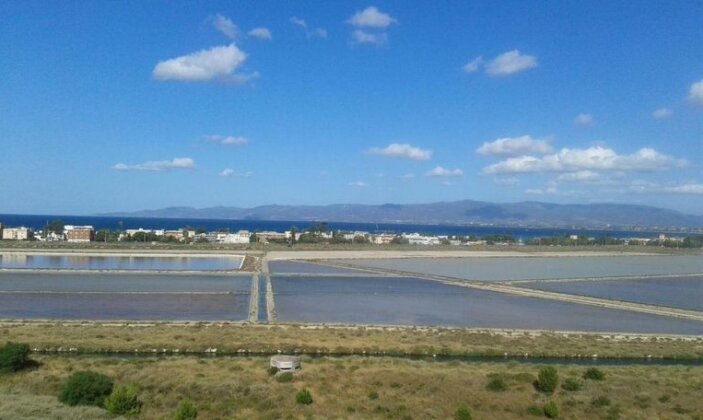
{"type": "Point", "coordinates": [124, 400]}
{"type": "Point", "coordinates": [547, 380]}
{"type": "Point", "coordinates": [56, 226]}
{"type": "Point", "coordinates": [13, 357]}
{"type": "Point", "coordinates": [86, 388]}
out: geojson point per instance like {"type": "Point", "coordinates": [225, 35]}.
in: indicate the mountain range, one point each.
{"type": "Point", "coordinates": [464, 212]}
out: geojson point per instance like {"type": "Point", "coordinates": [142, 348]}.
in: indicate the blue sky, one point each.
{"type": "Point", "coordinates": [110, 106]}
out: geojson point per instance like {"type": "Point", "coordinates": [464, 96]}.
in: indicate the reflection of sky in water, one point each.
{"type": "Point", "coordinates": [172, 307]}
{"type": "Point", "coordinates": [118, 282]}
{"type": "Point", "coordinates": [118, 263]}
{"type": "Point", "coordinates": [297, 267]}
{"type": "Point", "coordinates": [535, 268]}
{"type": "Point", "coordinates": [686, 293]}
{"type": "Point", "coordinates": [407, 301]}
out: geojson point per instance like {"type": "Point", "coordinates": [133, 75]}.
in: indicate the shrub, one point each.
{"type": "Point", "coordinates": [496, 385]}
{"type": "Point", "coordinates": [551, 410]}
{"type": "Point", "coordinates": [547, 380]}
{"type": "Point", "coordinates": [303, 397]}
{"type": "Point", "coordinates": [124, 400]}
{"type": "Point", "coordinates": [373, 395]}
{"type": "Point", "coordinates": [594, 374]}
{"type": "Point", "coordinates": [13, 357]}
{"type": "Point", "coordinates": [600, 402]}
{"type": "Point", "coordinates": [272, 370]}
{"type": "Point", "coordinates": [462, 413]}
{"type": "Point", "coordinates": [86, 388]}
{"type": "Point", "coordinates": [285, 377]}
{"type": "Point", "coordinates": [571, 384]}
{"type": "Point", "coordinates": [535, 410]}
{"type": "Point", "coordinates": [186, 410]}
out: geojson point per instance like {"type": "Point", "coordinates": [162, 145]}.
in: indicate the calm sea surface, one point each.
{"type": "Point", "coordinates": [537, 268]}
{"type": "Point", "coordinates": [98, 262]}
{"type": "Point", "coordinates": [685, 293]}
{"type": "Point", "coordinates": [410, 301]}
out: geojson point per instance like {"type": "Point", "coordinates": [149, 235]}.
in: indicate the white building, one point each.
{"type": "Point", "coordinates": [417, 239]}
{"type": "Point", "coordinates": [241, 237]}
{"type": "Point", "coordinates": [17, 234]}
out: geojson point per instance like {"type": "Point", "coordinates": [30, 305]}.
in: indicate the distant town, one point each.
{"type": "Point", "coordinates": [58, 231]}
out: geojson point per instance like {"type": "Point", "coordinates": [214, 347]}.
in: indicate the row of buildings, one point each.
{"type": "Point", "coordinates": [71, 233]}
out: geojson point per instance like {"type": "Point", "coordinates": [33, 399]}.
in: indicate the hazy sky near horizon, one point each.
{"type": "Point", "coordinates": [108, 106]}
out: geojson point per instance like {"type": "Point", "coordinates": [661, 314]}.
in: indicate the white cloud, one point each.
{"type": "Point", "coordinates": [512, 146]}
{"type": "Point", "coordinates": [695, 93]}
{"type": "Point", "coordinates": [510, 62]}
{"type": "Point", "coordinates": [509, 182]}
{"type": "Point", "coordinates": [156, 166]}
{"type": "Point", "coordinates": [580, 176]}
{"type": "Point", "coordinates": [230, 172]}
{"type": "Point", "coordinates": [227, 172]}
{"type": "Point", "coordinates": [216, 63]}
{"type": "Point", "coordinates": [584, 120]}
{"type": "Point", "coordinates": [662, 113]}
{"type": "Point", "coordinates": [228, 140]}
{"type": "Point", "coordinates": [542, 191]}
{"type": "Point", "coordinates": [358, 184]}
{"type": "Point", "coordinates": [443, 172]}
{"type": "Point", "coordinates": [371, 17]}
{"type": "Point", "coordinates": [316, 33]}
{"type": "Point", "coordinates": [473, 65]}
{"type": "Point", "coordinates": [226, 26]}
{"type": "Point", "coordinates": [407, 176]}
{"type": "Point", "coordinates": [595, 158]}
{"type": "Point", "coordinates": [690, 188]}
{"type": "Point", "coordinates": [402, 151]}
{"type": "Point", "coordinates": [363, 37]}
{"type": "Point", "coordinates": [260, 33]}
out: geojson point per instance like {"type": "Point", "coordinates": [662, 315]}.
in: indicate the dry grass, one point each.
{"type": "Point", "coordinates": [237, 338]}
{"type": "Point", "coordinates": [240, 387]}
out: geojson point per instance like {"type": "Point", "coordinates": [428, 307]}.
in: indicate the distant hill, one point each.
{"type": "Point", "coordinates": [465, 212]}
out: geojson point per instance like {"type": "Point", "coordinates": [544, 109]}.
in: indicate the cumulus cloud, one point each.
{"type": "Point", "coordinates": [228, 140]}
{"type": "Point", "coordinates": [510, 62]}
{"type": "Point", "coordinates": [358, 184]}
{"type": "Point", "coordinates": [662, 113]}
{"type": "Point", "coordinates": [584, 120]}
{"type": "Point", "coordinates": [226, 26]}
{"type": "Point", "coordinates": [595, 158]}
{"type": "Point", "coordinates": [440, 171]}
{"type": "Point", "coordinates": [227, 172]}
{"type": "Point", "coordinates": [371, 17]}
{"type": "Point", "coordinates": [216, 63]}
{"type": "Point", "coordinates": [579, 176]}
{"type": "Point", "coordinates": [513, 146]}
{"type": "Point", "coordinates": [362, 37]}
{"type": "Point", "coordinates": [402, 151]}
{"type": "Point", "coordinates": [260, 33]}
{"type": "Point", "coordinates": [542, 191]}
{"type": "Point", "coordinates": [157, 165]}
{"type": "Point", "coordinates": [695, 93]}
{"type": "Point", "coordinates": [473, 65]}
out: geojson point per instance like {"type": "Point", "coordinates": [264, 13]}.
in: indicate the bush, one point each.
{"type": "Point", "coordinates": [594, 374]}
{"type": "Point", "coordinates": [373, 395]}
{"type": "Point", "coordinates": [303, 397]}
{"type": "Point", "coordinates": [13, 357]}
{"type": "Point", "coordinates": [186, 411]}
{"type": "Point", "coordinates": [535, 410]}
{"type": "Point", "coordinates": [462, 413]}
{"type": "Point", "coordinates": [600, 402]}
{"type": "Point", "coordinates": [124, 400]}
{"type": "Point", "coordinates": [86, 388]}
{"type": "Point", "coordinates": [547, 380]}
{"type": "Point", "coordinates": [496, 385]}
{"type": "Point", "coordinates": [272, 370]}
{"type": "Point", "coordinates": [572, 384]}
{"type": "Point", "coordinates": [551, 410]}
{"type": "Point", "coordinates": [285, 377]}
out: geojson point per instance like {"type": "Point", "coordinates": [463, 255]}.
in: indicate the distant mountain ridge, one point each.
{"type": "Point", "coordinates": [464, 212]}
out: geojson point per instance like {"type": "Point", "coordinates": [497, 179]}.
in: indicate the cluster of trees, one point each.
{"type": "Point", "coordinates": [568, 241]}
